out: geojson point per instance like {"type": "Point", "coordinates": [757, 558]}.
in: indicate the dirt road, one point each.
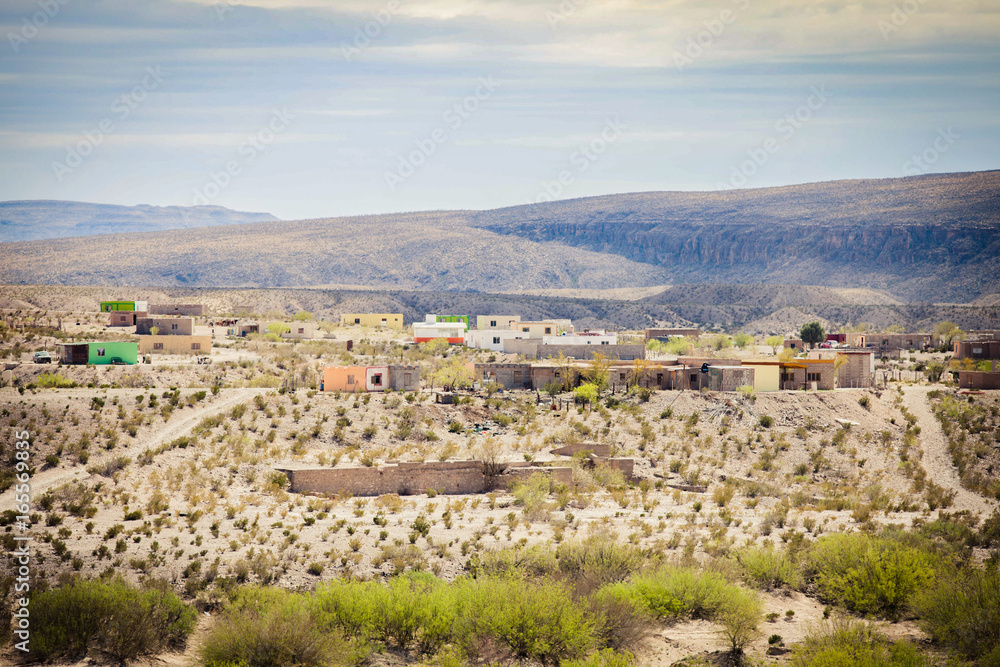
{"type": "Point", "coordinates": [181, 423]}
{"type": "Point", "coordinates": [937, 460]}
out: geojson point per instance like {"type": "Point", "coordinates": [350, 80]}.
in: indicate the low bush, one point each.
{"type": "Point", "coordinates": [55, 381]}
{"type": "Point", "coordinates": [674, 593]}
{"type": "Point", "coordinates": [112, 618]}
{"type": "Point", "coordinates": [873, 576]}
{"type": "Point", "coordinates": [767, 568]}
{"type": "Point", "coordinates": [270, 627]}
{"type": "Point", "coordinates": [846, 643]}
{"type": "Point", "coordinates": [963, 611]}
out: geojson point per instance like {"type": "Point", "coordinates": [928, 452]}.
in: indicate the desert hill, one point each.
{"type": "Point", "coordinates": [928, 238]}
{"type": "Point", "coordinates": [42, 219]}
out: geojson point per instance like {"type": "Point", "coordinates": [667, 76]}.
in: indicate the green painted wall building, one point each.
{"type": "Point", "coordinates": [126, 306]}
{"type": "Point", "coordinates": [99, 353]}
{"type": "Point", "coordinates": [454, 319]}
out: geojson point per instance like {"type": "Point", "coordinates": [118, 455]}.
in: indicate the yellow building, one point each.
{"type": "Point", "coordinates": [766, 374]}
{"type": "Point", "coordinates": [162, 344]}
{"type": "Point", "coordinates": [389, 320]}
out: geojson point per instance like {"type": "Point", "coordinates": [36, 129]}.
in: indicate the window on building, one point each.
{"type": "Point", "coordinates": [548, 330]}
{"type": "Point", "coordinates": [195, 346]}
{"type": "Point", "coordinates": [977, 350]}
{"type": "Point", "coordinates": [100, 351]}
{"type": "Point", "coordinates": [406, 379]}
{"type": "Point", "coordinates": [301, 330]}
{"type": "Point", "coordinates": [812, 377]}
{"type": "Point", "coordinates": [496, 340]}
{"type": "Point", "coordinates": [173, 326]}
{"type": "Point", "coordinates": [493, 323]}
{"type": "Point", "coordinates": [377, 379]}
{"type": "Point", "coordinates": [384, 322]}
{"type": "Point", "coordinates": [357, 320]}
{"type": "Point", "coordinates": [524, 329]}
{"type": "Point", "coordinates": [787, 377]}
{"type": "Point", "coordinates": [157, 346]}
{"type": "Point", "coordinates": [350, 379]}
{"type": "Point", "coordinates": [694, 378]}
{"type": "Point", "coordinates": [604, 342]}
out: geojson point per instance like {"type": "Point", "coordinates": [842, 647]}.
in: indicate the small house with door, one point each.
{"type": "Point", "coordinates": [371, 378]}
{"type": "Point", "coordinates": [170, 344]}
{"type": "Point", "coordinates": [102, 353]}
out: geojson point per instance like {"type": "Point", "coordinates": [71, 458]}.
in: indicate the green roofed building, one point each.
{"type": "Point", "coordinates": [100, 353]}
{"type": "Point", "coordinates": [127, 306]}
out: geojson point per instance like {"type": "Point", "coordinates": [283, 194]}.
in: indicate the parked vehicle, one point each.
{"type": "Point", "coordinates": [42, 357]}
{"type": "Point", "coordinates": [117, 361]}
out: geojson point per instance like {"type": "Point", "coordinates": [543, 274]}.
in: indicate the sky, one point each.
{"type": "Point", "coordinates": [316, 108]}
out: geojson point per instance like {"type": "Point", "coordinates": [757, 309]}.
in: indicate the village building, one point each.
{"type": "Point", "coordinates": [383, 320]}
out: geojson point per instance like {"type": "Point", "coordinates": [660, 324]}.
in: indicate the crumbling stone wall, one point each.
{"type": "Point", "coordinates": [407, 478]}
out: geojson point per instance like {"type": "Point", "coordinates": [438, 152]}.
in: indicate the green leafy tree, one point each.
{"type": "Point", "coordinates": [812, 333]}
{"type": "Point", "coordinates": [586, 393]}
{"type": "Point", "coordinates": [742, 340]}
{"type": "Point", "coordinates": [774, 342]}
{"type": "Point", "coordinates": [948, 332]}
{"type": "Point", "coordinates": [278, 328]}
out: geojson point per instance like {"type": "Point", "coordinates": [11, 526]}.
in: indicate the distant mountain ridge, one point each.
{"type": "Point", "coordinates": [49, 219]}
{"type": "Point", "coordinates": [926, 238]}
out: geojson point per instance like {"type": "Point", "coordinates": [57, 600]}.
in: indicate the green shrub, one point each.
{"type": "Point", "coordinates": [270, 627]}
{"type": "Point", "coordinates": [112, 618]}
{"type": "Point", "coordinates": [766, 421]}
{"type": "Point", "coordinates": [586, 394]}
{"type": "Point", "coordinates": [673, 593]}
{"type": "Point", "coordinates": [604, 658]}
{"type": "Point", "coordinates": [54, 381]}
{"type": "Point", "coordinates": [767, 569]}
{"type": "Point", "coordinates": [855, 644]}
{"type": "Point", "coordinates": [963, 611]}
{"type": "Point", "coordinates": [868, 575]}
{"type": "Point", "coordinates": [534, 621]}
{"type": "Point", "coordinates": [598, 560]}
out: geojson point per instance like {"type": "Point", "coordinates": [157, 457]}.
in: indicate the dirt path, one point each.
{"type": "Point", "coordinates": [937, 460]}
{"type": "Point", "coordinates": [175, 428]}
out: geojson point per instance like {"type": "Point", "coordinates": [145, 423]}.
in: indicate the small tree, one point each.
{"type": "Point", "coordinates": [598, 372]}
{"type": "Point", "coordinates": [947, 332]}
{"type": "Point", "coordinates": [303, 316]}
{"type": "Point", "coordinates": [278, 328]}
{"type": "Point", "coordinates": [742, 340]}
{"type": "Point", "coordinates": [641, 370]}
{"type": "Point", "coordinates": [812, 333]}
{"type": "Point", "coordinates": [774, 342]}
{"type": "Point", "coordinates": [154, 330]}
